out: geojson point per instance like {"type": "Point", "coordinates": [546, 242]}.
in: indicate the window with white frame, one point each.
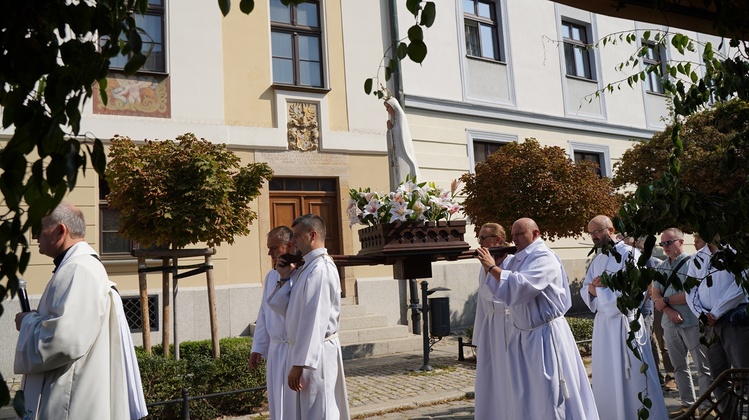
{"type": "Point", "coordinates": [577, 55]}
{"type": "Point", "coordinates": [597, 154]}
{"type": "Point", "coordinates": [154, 46]}
{"type": "Point", "coordinates": [111, 244]}
{"type": "Point", "coordinates": [296, 38]}
{"type": "Point", "coordinates": [654, 58]}
{"type": "Point", "coordinates": [481, 144]}
{"type": "Point", "coordinates": [482, 29]}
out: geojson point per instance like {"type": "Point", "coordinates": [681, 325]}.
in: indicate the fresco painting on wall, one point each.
{"type": "Point", "coordinates": [142, 95]}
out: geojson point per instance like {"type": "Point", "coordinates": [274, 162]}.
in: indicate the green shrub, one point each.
{"type": "Point", "coordinates": [582, 330]}
{"type": "Point", "coordinates": [197, 370]}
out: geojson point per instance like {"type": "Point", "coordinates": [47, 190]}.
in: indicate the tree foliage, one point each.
{"type": "Point", "coordinates": [715, 157]}
{"type": "Point", "coordinates": [527, 180]}
{"type": "Point", "coordinates": [177, 193]}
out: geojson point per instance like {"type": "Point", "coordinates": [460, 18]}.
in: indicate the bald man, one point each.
{"type": "Point", "coordinates": [543, 364]}
{"type": "Point", "coordinates": [616, 371]}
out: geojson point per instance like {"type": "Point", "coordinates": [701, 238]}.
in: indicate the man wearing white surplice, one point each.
{"type": "Point", "coordinates": [491, 329]}
{"type": "Point", "coordinates": [616, 371]}
{"type": "Point", "coordinates": [543, 364]}
{"type": "Point", "coordinates": [269, 340]}
{"type": "Point", "coordinates": [312, 319]}
{"type": "Point", "coordinates": [75, 349]}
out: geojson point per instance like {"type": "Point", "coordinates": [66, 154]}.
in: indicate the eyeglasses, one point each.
{"type": "Point", "coordinates": [668, 243]}
{"type": "Point", "coordinates": [597, 231]}
{"type": "Point", "coordinates": [481, 238]}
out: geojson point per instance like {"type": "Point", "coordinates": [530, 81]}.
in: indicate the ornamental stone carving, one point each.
{"type": "Point", "coordinates": [303, 131]}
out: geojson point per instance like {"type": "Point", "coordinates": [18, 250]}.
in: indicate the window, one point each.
{"type": "Point", "coordinates": [591, 157]}
{"type": "Point", "coordinates": [482, 32]}
{"type": "Point", "coordinates": [112, 244]}
{"type": "Point", "coordinates": [153, 39]}
{"type": "Point", "coordinates": [303, 184]}
{"type": "Point", "coordinates": [131, 307]}
{"type": "Point", "coordinates": [296, 38]}
{"type": "Point", "coordinates": [482, 150]}
{"type": "Point", "coordinates": [595, 153]}
{"type": "Point", "coordinates": [576, 52]}
{"type": "Point", "coordinates": [653, 57]}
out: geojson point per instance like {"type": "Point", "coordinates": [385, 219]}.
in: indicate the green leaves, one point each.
{"type": "Point", "coordinates": [225, 6]}
{"type": "Point", "coordinates": [247, 6]}
{"type": "Point", "coordinates": [415, 49]}
{"type": "Point", "coordinates": [183, 191]}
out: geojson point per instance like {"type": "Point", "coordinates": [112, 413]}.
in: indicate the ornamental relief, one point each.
{"type": "Point", "coordinates": [303, 131]}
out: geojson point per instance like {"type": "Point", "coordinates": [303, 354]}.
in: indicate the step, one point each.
{"type": "Point", "coordinates": [365, 335]}
{"type": "Point", "coordinates": [361, 322]}
{"type": "Point", "coordinates": [353, 310]}
{"type": "Point", "coordinates": [382, 347]}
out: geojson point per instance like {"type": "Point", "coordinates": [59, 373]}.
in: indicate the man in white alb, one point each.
{"type": "Point", "coordinates": [617, 380]}
{"type": "Point", "coordinates": [269, 340]}
{"type": "Point", "coordinates": [544, 366]}
{"type": "Point", "coordinates": [312, 318]}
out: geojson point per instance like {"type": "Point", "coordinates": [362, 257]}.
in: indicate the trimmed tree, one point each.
{"type": "Point", "coordinates": [527, 180]}
{"type": "Point", "coordinates": [183, 191]}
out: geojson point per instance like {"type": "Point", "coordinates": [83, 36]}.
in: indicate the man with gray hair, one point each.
{"type": "Point", "coordinates": [617, 381]}
{"type": "Point", "coordinates": [681, 330]}
{"type": "Point", "coordinates": [75, 349]}
{"type": "Point", "coordinates": [269, 340]}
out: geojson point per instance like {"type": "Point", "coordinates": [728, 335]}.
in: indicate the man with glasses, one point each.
{"type": "Point", "coordinates": [617, 380]}
{"type": "Point", "coordinates": [490, 331]}
{"type": "Point", "coordinates": [547, 376]}
{"type": "Point", "coordinates": [312, 320]}
{"type": "Point", "coordinates": [680, 327]}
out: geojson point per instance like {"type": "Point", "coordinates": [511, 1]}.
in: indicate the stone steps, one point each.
{"type": "Point", "coordinates": [366, 334]}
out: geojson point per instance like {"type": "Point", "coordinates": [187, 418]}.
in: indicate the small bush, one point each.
{"type": "Point", "coordinates": [197, 370]}
{"type": "Point", "coordinates": [582, 330]}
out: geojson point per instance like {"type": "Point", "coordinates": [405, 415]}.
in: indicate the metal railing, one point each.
{"type": "Point", "coordinates": [186, 398]}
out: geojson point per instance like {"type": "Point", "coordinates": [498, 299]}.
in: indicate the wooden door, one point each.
{"type": "Point", "coordinates": [293, 197]}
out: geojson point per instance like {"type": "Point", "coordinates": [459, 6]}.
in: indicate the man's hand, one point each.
{"type": "Point", "coordinates": [19, 319]}
{"type": "Point", "coordinates": [711, 319]}
{"type": "Point", "coordinates": [674, 316]}
{"type": "Point", "coordinates": [284, 269]}
{"type": "Point", "coordinates": [255, 359]}
{"type": "Point", "coordinates": [592, 290]}
{"type": "Point", "coordinates": [659, 304]}
{"type": "Point", "coordinates": [597, 282]}
{"type": "Point", "coordinates": [295, 378]}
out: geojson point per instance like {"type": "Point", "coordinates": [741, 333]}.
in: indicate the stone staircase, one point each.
{"type": "Point", "coordinates": [366, 334]}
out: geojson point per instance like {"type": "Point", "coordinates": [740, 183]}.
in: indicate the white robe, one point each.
{"type": "Point", "coordinates": [312, 320]}
{"type": "Point", "coordinates": [270, 341]}
{"type": "Point", "coordinates": [491, 329]}
{"type": "Point", "coordinates": [71, 350]}
{"type": "Point", "coordinates": [546, 371]}
{"type": "Point", "coordinates": [616, 371]}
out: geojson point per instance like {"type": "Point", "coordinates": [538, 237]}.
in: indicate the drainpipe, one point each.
{"type": "Point", "coordinates": [394, 37]}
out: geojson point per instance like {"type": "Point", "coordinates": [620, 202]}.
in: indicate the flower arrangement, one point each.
{"type": "Point", "coordinates": [410, 202]}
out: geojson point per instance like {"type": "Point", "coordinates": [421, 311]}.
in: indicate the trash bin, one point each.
{"type": "Point", "coordinates": [439, 316]}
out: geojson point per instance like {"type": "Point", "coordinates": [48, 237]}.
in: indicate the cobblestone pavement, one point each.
{"type": "Point", "coordinates": [380, 384]}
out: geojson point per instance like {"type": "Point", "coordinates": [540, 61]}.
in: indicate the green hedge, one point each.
{"type": "Point", "coordinates": [582, 330]}
{"type": "Point", "coordinates": [197, 370]}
